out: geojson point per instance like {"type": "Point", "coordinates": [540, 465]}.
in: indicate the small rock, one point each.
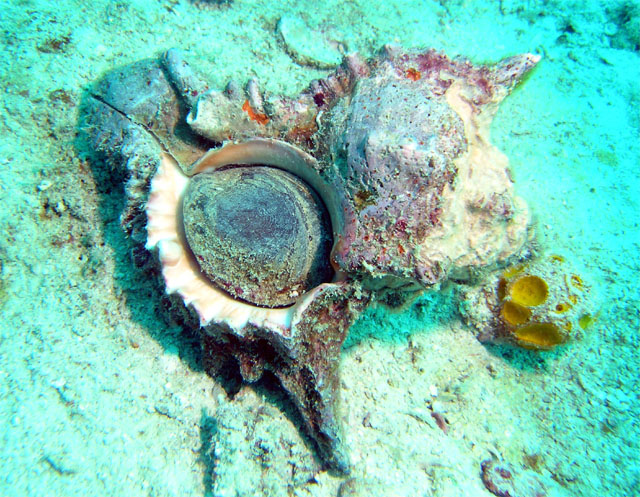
{"type": "Point", "coordinates": [505, 480]}
{"type": "Point", "coordinates": [308, 47]}
{"type": "Point", "coordinates": [44, 185]}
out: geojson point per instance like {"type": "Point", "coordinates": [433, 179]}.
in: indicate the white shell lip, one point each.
{"type": "Point", "coordinates": [179, 269]}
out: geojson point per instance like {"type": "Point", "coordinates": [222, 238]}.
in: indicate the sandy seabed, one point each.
{"type": "Point", "coordinates": [100, 396]}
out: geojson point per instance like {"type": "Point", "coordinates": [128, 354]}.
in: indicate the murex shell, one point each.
{"type": "Point", "coordinates": [276, 220]}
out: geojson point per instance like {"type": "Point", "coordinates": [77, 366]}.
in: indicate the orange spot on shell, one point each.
{"type": "Point", "coordinates": [413, 74]}
{"type": "Point", "coordinates": [258, 117]}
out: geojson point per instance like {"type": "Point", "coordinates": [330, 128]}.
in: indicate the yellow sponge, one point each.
{"type": "Point", "coordinates": [542, 303]}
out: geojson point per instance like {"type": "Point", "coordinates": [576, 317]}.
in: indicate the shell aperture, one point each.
{"type": "Point", "coordinates": [259, 233]}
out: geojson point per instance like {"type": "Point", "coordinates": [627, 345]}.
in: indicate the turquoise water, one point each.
{"type": "Point", "coordinates": [99, 394]}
